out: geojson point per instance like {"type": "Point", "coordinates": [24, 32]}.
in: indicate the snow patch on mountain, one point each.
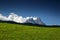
{"type": "Point", "coordinates": [20, 19]}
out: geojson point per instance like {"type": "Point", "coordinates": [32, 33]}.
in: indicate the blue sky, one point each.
{"type": "Point", "coordinates": [47, 10]}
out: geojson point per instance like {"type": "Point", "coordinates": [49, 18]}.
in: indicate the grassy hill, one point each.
{"type": "Point", "coordinates": [26, 32]}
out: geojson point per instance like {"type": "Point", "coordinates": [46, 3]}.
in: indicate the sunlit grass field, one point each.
{"type": "Point", "coordinates": [25, 32]}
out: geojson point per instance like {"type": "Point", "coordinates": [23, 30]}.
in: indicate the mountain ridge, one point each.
{"type": "Point", "coordinates": [30, 24]}
{"type": "Point", "coordinates": [20, 19]}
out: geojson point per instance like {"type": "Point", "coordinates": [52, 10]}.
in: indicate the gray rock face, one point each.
{"type": "Point", "coordinates": [39, 21]}
{"type": "Point", "coordinates": [35, 21]}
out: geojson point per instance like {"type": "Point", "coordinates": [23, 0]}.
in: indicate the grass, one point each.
{"type": "Point", "coordinates": [25, 32]}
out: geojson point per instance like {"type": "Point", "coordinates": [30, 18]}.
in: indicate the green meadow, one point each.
{"type": "Point", "coordinates": [26, 32]}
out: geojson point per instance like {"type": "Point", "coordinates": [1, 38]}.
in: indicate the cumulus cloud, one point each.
{"type": "Point", "coordinates": [3, 18]}
{"type": "Point", "coordinates": [20, 19]}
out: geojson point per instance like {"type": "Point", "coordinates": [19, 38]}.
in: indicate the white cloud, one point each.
{"type": "Point", "coordinates": [20, 19]}
{"type": "Point", "coordinates": [3, 18]}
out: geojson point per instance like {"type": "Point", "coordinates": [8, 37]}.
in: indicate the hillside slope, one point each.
{"type": "Point", "coordinates": [25, 32]}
